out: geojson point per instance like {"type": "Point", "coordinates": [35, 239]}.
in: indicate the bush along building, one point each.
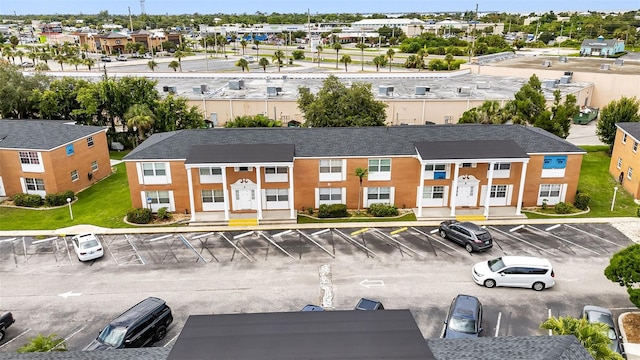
{"type": "Point", "coordinates": [269, 174]}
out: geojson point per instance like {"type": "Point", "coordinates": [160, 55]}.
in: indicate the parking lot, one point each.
{"type": "Point", "coordinates": [282, 270]}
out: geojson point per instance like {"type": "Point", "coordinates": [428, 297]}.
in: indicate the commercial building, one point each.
{"type": "Point", "coordinates": [268, 174]}
{"type": "Point", "coordinates": [601, 47]}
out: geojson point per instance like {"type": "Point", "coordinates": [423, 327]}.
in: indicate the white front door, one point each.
{"type": "Point", "coordinates": [245, 199]}
{"type": "Point", "coordinates": [467, 191]}
{"type": "Point", "coordinates": [3, 192]}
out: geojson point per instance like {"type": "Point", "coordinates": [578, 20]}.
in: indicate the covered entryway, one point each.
{"type": "Point", "coordinates": [467, 191]}
{"type": "Point", "coordinates": [244, 195]}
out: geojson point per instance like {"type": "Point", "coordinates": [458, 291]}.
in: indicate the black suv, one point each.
{"type": "Point", "coordinates": [367, 304]}
{"type": "Point", "coordinates": [140, 326]}
{"type": "Point", "coordinates": [464, 319]}
{"type": "Point", "coordinates": [467, 234]}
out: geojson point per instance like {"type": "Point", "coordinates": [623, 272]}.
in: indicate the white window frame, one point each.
{"type": "Point", "coordinates": [430, 170]}
{"type": "Point", "coordinates": [276, 174]}
{"type": "Point", "coordinates": [243, 168]}
{"type": "Point", "coordinates": [276, 199]}
{"type": "Point", "coordinates": [74, 175]}
{"type": "Point", "coordinates": [207, 175]}
{"type": "Point", "coordinates": [376, 172]}
{"type": "Point", "coordinates": [619, 165]}
{"type": "Point", "coordinates": [336, 196]}
{"type": "Point", "coordinates": [635, 147]}
{"type": "Point", "coordinates": [31, 161]}
{"type": "Point", "coordinates": [159, 200]}
{"type": "Point", "coordinates": [90, 141]}
{"type": "Point", "coordinates": [435, 196]}
{"type": "Point", "coordinates": [624, 138]}
{"type": "Point", "coordinates": [332, 169]}
{"type": "Point", "coordinates": [157, 173]}
{"type": "Point", "coordinates": [501, 170]}
{"type": "Point", "coordinates": [500, 195]}
{"type": "Point", "coordinates": [216, 197]}
{"type": "Point", "coordinates": [629, 172]}
{"type": "Point", "coordinates": [37, 186]}
{"type": "Point", "coordinates": [553, 193]}
{"type": "Point", "coordinates": [94, 166]}
{"type": "Point", "coordinates": [378, 195]}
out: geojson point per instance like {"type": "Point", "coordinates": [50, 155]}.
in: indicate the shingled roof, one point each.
{"type": "Point", "coordinates": [364, 141]}
{"type": "Point", "coordinates": [152, 353]}
{"type": "Point", "coordinates": [631, 128]}
{"type": "Point", "coordinates": [41, 134]}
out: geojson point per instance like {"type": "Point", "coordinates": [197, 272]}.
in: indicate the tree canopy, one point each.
{"type": "Point", "coordinates": [617, 111]}
{"type": "Point", "coordinates": [258, 120]}
{"type": "Point", "coordinates": [335, 105]}
{"type": "Point", "coordinates": [624, 268]}
{"type": "Point", "coordinates": [593, 336]}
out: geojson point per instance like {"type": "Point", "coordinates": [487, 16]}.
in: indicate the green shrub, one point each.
{"type": "Point", "coordinates": [139, 216]}
{"type": "Point", "coordinates": [310, 211]}
{"type": "Point", "coordinates": [638, 212]}
{"type": "Point", "coordinates": [332, 211]}
{"type": "Point", "coordinates": [58, 199]}
{"type": "Point", "coordinates": [562, 208]}
{"type": "Point", "coordinates": [27, 200]}
{"type": "Point", "coordinates": [382, 210]}
{"type": "Point", "coordinates": [544, 204]}
{"type": "Point", "coordinates": [163, 214]}
{"type": "Point", "coordinates": [582, 201]}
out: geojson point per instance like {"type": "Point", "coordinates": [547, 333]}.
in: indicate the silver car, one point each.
{"type": "Point", "coordinates": [597, 314]}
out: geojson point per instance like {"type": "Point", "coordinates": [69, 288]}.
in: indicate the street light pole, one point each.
{"type": "Point", "coordinates": [613, 201]}
{"type": "Point", "coordinates": [70, 211]}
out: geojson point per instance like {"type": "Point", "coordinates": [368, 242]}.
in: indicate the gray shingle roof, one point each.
{"type": "Point", "coordinates": [240, 153]}
{"type": "Point", "coordinates": [469, 150]}
{"type": "Point", "coordinates": [564, 347]}
{"type": "Point", "coordinates": [631, 128]}
{"type": "Point", "coordinates": [41, 134]}
{"type": "Point", "coordinates": [152, 353]}
{"type": "Point", "coordinates": [364, 141]}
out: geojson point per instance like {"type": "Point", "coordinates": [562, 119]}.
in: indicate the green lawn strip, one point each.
{"type": "Point", "coordinates": [307, 220]}
{"type": "Point", "coordinates": [118, 155]}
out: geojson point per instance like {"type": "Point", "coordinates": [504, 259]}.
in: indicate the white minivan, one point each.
{"type": "Point", "coordinates": [514, 271]}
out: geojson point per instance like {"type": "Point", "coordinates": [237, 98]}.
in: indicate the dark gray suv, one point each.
{"type": "Point", "coordinates": [464, 319]}
{"type": "Point", "coordinates": [467, 234]}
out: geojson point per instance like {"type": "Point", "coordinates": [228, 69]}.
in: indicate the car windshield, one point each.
{"type": "Point", "coordinates": [464, 325]}
{"type": "Point", "coordinates": [496, 264]}
{"type": "Point", "coordinates": [112, 336]}
{"type": "Point", "coordinates": [88, 244]}
{"type": "Point", "coordinates": [612, 334]}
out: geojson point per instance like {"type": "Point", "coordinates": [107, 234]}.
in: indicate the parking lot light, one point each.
{"type": "Point", "coordinates": [70, 211]}
{"type": "Point", "coordinates": [613, 200]}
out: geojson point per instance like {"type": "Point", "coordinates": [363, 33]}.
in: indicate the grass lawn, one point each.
{"type": "Point", "coordinates": [308, 220]}
{"type": "Point", "coordinates": [596, 181]}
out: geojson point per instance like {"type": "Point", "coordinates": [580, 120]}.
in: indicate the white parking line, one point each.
{"type": "Point", "coordinates": [172, 340]}
{"type": "Point", "coordinates": [561, 239]}
{"type": "Point", "coordinates": [202, 235]}
{"type": "Point", "coordinates": [521, 240]}
{"type": "Point", "coordinates": [549, 317]}
{"type": "Point", "coordinates": [243, 235]}
{"type": "Point", "coordinates": [320, 232]}
{"type": "Point", "coordinates": [498, 324]}
{"type": "Point", "coordinates": [161, 237]}
{"type": "Point", "coordinates": [595, 236]}
{"type": "Point", "coordinates": [14, 339]}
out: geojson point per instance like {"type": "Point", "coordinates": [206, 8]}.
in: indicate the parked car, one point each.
{"type": "Point", "coordinates": [467, 234]}
{"type": "Point", "coordinates": [26, 64]}
{"type": "Point", "coordinates": [254, 47]}
{"type": "Point", "coordinates": [464, 319]}
{"type": "Point", "coordinates": [367, 304]}
{"type": "Point", "coordinates": [597, 314]}
{"type": "Point", "coordinates": [121, 57]}
{"type": "Point", "coordinates": [87, 247]}
{"type": "Point", "coordinates": [141, 325]}
{"type": "Point", "coordinates": [300, 46]}
{"type": "Point", "coordinates": [6, 320]}
{"type": "Point", "coordinates": [312, 308]}
{"type": "Point", "coordinates": [147, 56]}
{"type": "Point", "coordinates": [105, 58]}
{"type": "Point", "coordinates": [514, 271]}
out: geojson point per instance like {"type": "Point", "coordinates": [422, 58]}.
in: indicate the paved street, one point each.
{"type": "Point", "coordinates": [279, 270]}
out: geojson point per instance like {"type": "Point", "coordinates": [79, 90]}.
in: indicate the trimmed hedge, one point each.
{"type": "Point", "coordinates": [27, 200]}
{"type": "Point", "coordinates": [332, 211]}
{"type": "Point", "coordinates": [139, 216]}
{"type": "Point", "coordinates": [382, 210]}
{"type": "Point", "coordinates": [59, 199]}
{"type": "Point", "coordinates": [163, 214]}
{"type": "Point", "coordinates": [562, 208]}
{"type": "Point", "coordinates": [582, 201]}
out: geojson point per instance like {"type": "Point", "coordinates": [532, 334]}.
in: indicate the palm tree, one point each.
{"type": "Point", "coordinates": [60, 59]}
{"type": "Point", "coordinates": [179, 55]}
{"type": "Point", "coordinates": [85, 48]}
{"type": "Point", "coordinates": [345, 59]}
{"type": "Point", "coordinates": [42, 343]}
{"type": "Point", "coordinates": [45, 56]}
{"type": "Point", "coordinates": [20, 54]}
{"type": "Point", "coordinates": [42, 67]}
{"type": "Point", "coordinates": [336, 46]}
{"type": "Point", "coordinates": [9, 54]}
{"type": "Point", "coordinates": [89, 62]}
{"type": "Point", "coordinates": [277, 57]}
{"type": "Point", "coordinates": [257, 44]}
{"type": "Point", "coordinates": [390, 54]}
{"type": "Point", "coordinates": [593, 336]}
{"type": "Point", "coordinates": [174, 65]}
{"type": "Point", "coordinates": [139, 117]}
{"type": "Point", "coordinates": [75, 61]}
{"type": "Point", "coordinates": [243, 43]}
{"type": "Point", "coordinates": [361, 46]}
{"type": "Point", "coordinates": [420, 55]}
{"type": "Point", "coordinates": [379, 61]}
{"type": "Point", "coordinates": [360, 173]}
{"type": "Point", "coordinates": [152, 65]}
{"type": "Point", "coordinates": [32, 55]}
{"type": "Point", "coordinates": [243, 64]}
{"type": "Point", "coordinates": [319, 50]}
{"type": "Point", "coordinates": [448, 59]}
{"type": "Point", "coordinates": [264, 62]}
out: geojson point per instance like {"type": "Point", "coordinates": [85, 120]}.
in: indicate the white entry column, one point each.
{"type": "Point", "coordinates": [421, 189]}
{"type": "Point", "coordinates": [487, 197]}
{"type": "Point", "coordinates": [259, 192]}
{"type": "Point", "coordinates": [291, 198]}
{"type": "Point", "coordinates": [191, 199]}
{"type": "Point", "coordinates": [454, 188]}
{"type": "Point", "coordinates": [225, 191]}
{"type": "Point", "coordinates": [523, 176]}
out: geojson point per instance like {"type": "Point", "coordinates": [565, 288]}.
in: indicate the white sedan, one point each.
{"type": "Point", "coordinates": [87, 247]}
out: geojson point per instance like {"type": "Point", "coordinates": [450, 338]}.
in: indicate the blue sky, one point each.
{"type": "Point", "coordinates": [299, 6]}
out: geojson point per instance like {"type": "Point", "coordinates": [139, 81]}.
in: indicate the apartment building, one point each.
{"type": "Point", "coordinates": [625, 157]}
{"type": "Point", "coordinates": [48, 156]}
{"type": "Point", "coordinates": [270, 174]}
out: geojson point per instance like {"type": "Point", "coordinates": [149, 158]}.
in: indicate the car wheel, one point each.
{"type": "Point", "coordinates": [443, 234]}
{"type": "Point", "coordinates": [1, 334]}
{"type": "Point", "coordinates": [538, 286]}
{"type": "Point", "coordinates": [490, 283]}
{"type": "Point", "coordinates": [469, 248]}
{"type": "Point", "coordinates": [161, 332]}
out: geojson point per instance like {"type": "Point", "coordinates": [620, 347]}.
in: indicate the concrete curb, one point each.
{"type": "Point", "coordinates": [632, 350]}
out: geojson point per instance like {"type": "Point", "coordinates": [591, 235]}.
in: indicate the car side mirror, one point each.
{"type": "Point", "coordinates": [128, 341]}
{"type": "Point", "coordinates": [501, 274]}
{"type": "Point", "coordinates": [445, 322]}
{"type": "Point", "coordinates": [480, 330]}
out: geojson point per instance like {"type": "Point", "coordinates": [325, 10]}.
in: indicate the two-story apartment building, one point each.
{"type": "Point", "coordinates": [271, 173]}
{"type": "Point", "coordinates": [48, 156]}
{"type": "Point", "coordinates": [625, 157]}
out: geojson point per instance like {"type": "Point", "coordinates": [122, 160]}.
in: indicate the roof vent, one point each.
{"type": "Point", "coordinates": [546, 63]}
{"type": "Point", "coordinates": [197, 90]}
{"type": "Point", "coordinates": [464, 90]}
{"type": "Point", "coordinates": [565, 79]}
{"type": "Point", "coordinates": [385, 90]}
{"type": "Point", "coordinates": [236, 84]}
{"type": "Point", "coordinates": [550, 84]}
{"type": "Point", "coordinates": [422, 90]}
{"type": "Point", "coordinates": [605, 66]}
{"type": "Point", "coordinates": [483, 85]}
{"type": "Point", "coordinates": [273, 90]}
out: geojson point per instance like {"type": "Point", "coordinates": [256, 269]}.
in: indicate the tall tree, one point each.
{"type": "Point", "coordinates": [617, 111]}
{"type": "Point", "coordinates": [173, 113]}
{"type": "Point", "coordinates": [319, 50]}
{"type": "Point", "coordinates": [174, 65]}
{"type": "Point", "coordinates": [529, 102]}
{"type": "Point", "coordinates": [139, 117]}
{"type": "Point", "coordinates": [335, 105]}
{"type": "Point", "coordinates": [152, 65]}
{"type": "Point", "coordinates": [345, 59]}
{"type": "Point", "coordinates": [264, 62]}
{"type": "Point", "coordinates": [379, 61]}
{"type": "Point", "coordinates": [360, 173]}
{"type": "Point", "coordinates": [278, 56]}
{"type": "Point", "coordinates": [337, 47]}
{"type": "Point", "coordinates": [179, 55]}
{"type": "Point", "coordinates": [390, 54]}
{"type": "Point", "coordinates": [624, 268]}
{"type": "Point", "coordinates": [243, 64]}
{"type": "Point", "coordinates": [487, 113]}
{"type": "Point", "coordinates": [361, 46]}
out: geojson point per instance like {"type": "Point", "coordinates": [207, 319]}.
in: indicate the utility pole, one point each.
{"type": "Point", "coordinates": [130, 21]}
{"type": "Point", "coordinates": [473, 44]}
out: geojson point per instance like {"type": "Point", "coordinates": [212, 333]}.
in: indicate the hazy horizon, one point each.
{"type": "Point", "coordinates": [178, 7]}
